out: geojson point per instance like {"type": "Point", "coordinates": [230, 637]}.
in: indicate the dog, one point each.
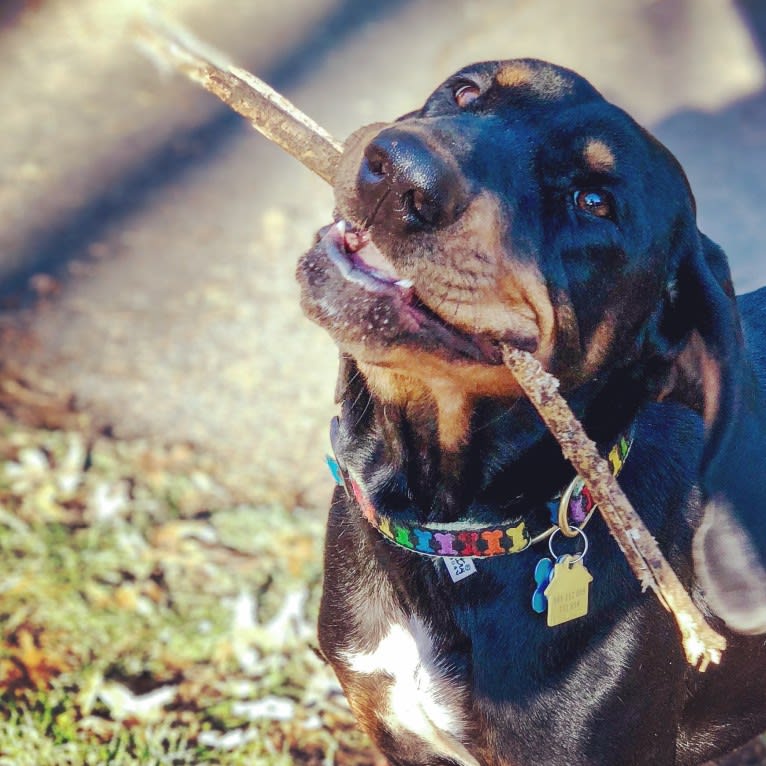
{"type": "Point", "coordinates": [472, 609]}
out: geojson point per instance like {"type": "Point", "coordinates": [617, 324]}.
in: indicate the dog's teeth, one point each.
{"type": "Point", "coordinates": [345, 268]}
{"type": "Point", "coordinates": [353, 241]}
{"type": "Point", "coordinates": [405, 284]}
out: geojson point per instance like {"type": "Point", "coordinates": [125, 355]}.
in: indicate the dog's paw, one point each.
{"type": "Point", "coordinates": [729, 570]}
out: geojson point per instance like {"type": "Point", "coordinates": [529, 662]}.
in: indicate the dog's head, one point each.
{"type": "Point", "coordinates": [518, 206]}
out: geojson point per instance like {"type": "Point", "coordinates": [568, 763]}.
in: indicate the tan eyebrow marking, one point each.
{"type": "Point", "coordinates": [544, 81]}
{"type": "Point", "coordinates": [515, 74]}
{"type": "Point", "coordinates": [599, 156]}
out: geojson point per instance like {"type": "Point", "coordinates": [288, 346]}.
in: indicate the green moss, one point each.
{"type": "Point", "coordinates": [146, 614]}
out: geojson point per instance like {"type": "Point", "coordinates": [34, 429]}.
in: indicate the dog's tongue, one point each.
{"type": "Point", "coordinates": [366, 256]}
{"type": "Point", "coordinates": [371, 259]}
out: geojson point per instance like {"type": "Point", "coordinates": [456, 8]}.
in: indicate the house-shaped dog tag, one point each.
{"type": "Point", "coordinates": [567, 592]}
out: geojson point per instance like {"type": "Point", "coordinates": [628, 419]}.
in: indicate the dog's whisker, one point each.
{"type": "Point", "coordinates": [357, 398]}
{"type": "Point", "coordinates": [364, 410]}
{"type": "Point", "coordinates": [497, 418]}
{"type": "Point", "coordinates": [349, 382]}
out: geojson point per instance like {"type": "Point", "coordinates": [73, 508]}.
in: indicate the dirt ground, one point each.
{"type": "Point", "coordinates": [147, 245]}
{"type": "Point", "coordinates": [161, 233]}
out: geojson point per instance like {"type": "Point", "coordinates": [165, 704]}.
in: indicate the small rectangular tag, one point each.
{"type": "Point", "coordinates": [459, 568]}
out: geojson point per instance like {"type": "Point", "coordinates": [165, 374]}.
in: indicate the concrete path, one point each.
{"type": "Point", "coordinates": [160, 233]}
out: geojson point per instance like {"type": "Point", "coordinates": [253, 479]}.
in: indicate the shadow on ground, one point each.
{"type": "Point", "coordinates": [724, 154]}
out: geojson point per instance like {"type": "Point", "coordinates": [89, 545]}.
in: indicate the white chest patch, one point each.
{"type": "Point", "coordinates": [421, 700]}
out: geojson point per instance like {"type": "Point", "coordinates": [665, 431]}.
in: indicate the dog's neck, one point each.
{"type": "Point", "coordinates": [503, 464]}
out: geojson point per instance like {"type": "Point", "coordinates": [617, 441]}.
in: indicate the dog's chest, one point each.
{"type": "Point", "coordinates": [419, 696]}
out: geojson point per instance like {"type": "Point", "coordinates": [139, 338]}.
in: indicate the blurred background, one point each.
{"type": "Point", "coordinates": [148, 237]}
{"type": "Point", "coordinates": [159, 233]}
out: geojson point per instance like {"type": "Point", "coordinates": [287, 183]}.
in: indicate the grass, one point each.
{"type": "Point", "coordinates": [150, 619]}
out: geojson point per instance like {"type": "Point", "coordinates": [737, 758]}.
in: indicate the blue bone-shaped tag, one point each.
{"type": "Point", "coordinates": [543, 572]}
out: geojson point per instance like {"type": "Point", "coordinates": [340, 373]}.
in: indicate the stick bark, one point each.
{"type": "Point", "coordinates": [269, 112]}
{"type": "Point", "coordinates": [701, 643]}
{"type": "Point", "coordinates": [281, 122]}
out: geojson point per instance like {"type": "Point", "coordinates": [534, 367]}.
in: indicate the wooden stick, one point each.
{"type": "Point", "coordinates": [701, 643]}
{"type": "Point", "coordinates": [301, 137]}
{"type": "Point", "coordinates": [268, 111]}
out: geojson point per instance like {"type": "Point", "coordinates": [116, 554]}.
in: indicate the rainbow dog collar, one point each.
{"type": "Point", "coordinates": [465, 540]}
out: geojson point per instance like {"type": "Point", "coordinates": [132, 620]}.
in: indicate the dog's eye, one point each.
{"type": "Point", "coordinates": [466, 94]}
{"type": "Point", "coordinates": [594, 201]}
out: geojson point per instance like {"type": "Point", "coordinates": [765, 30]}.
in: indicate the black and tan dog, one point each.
{"type": "Point", "coordinates": [518, 206]}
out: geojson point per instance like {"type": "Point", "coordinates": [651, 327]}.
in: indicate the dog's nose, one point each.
{"type": "Point", "coordinates": [405, 184]}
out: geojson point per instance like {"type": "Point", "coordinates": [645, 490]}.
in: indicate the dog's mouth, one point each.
{"type": "Point", "coordinates": [355, 292]}
{"type": "Point", "coordinates": [361, 262]}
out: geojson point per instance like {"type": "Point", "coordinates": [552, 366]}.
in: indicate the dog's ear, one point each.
{"type": "Point", "coordinates": [708, 370]}
{"type": "Point", "coordinates": [730, 543]}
